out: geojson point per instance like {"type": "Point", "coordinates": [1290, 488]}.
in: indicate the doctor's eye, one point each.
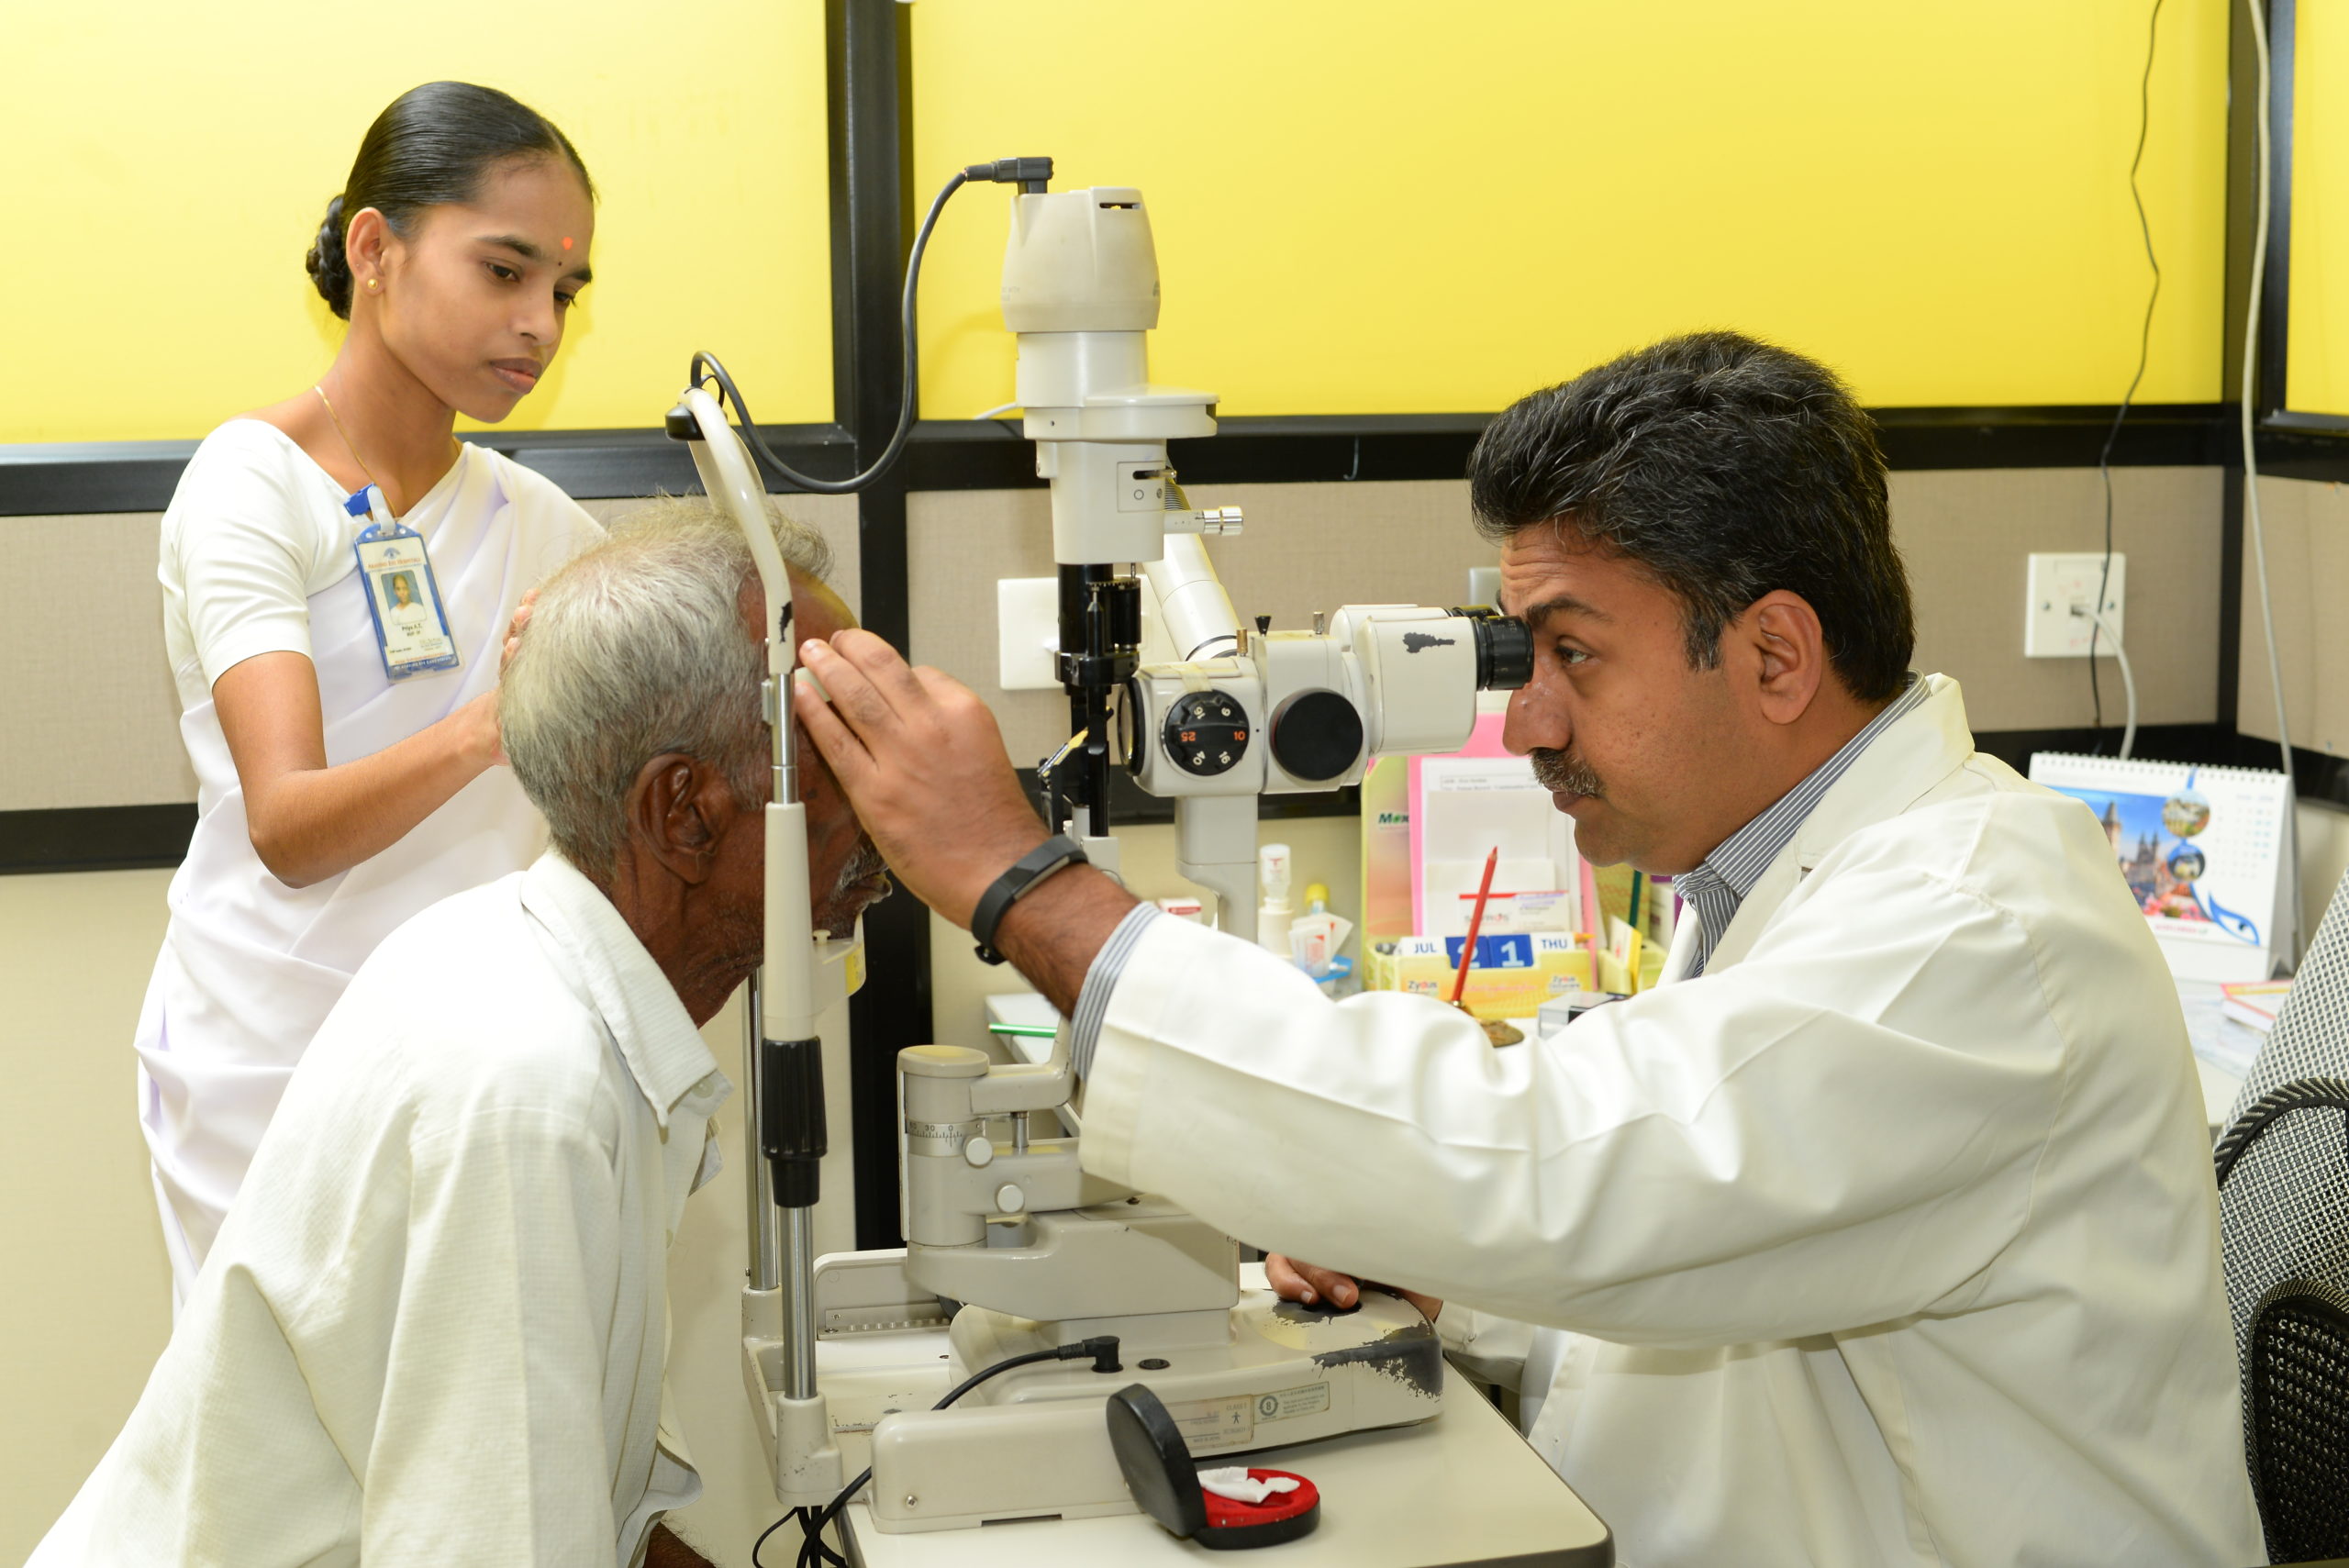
{"type": "Point", "coordinates": [1572, 656]}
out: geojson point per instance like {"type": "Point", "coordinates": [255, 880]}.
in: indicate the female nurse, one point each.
{"type": "Point", "coordinates": [334, 801]}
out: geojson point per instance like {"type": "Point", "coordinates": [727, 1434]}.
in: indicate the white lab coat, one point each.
{"type": "Point", "coordinates": [1891, 1239]}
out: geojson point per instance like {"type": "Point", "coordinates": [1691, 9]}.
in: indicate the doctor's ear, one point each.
{"type": "Point", "coordinates": [1788, 649]}
{"type": "Point", "coordinates": [678, 810]}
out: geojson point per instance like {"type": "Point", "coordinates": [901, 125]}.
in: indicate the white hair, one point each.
{"type": "Point", "coordinates": [635, 650]}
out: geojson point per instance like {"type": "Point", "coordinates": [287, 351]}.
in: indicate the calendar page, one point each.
{"type": "Point", "coordinates": [2201, 850]}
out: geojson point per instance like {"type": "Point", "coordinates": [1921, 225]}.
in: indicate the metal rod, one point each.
{"type": "Point", "coordinates": [799, 1323]}
{"type": "Point", "coordinates": [766, 1229]}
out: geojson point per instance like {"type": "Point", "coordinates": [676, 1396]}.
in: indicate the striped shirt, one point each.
{"type": "Point", "coordinates": [1716, 888]}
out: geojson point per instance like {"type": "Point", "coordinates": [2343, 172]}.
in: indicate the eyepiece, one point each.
{"type": "Point", "coordinates": [1504, 648]}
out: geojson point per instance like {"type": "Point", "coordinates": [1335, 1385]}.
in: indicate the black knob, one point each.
{"type": "Point", "coordinates": [1317, 735]}
{"type": "Point", "coordinates": [1206, 733]}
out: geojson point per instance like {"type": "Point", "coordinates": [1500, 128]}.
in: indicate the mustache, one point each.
{"type": "Point", "coordinates": [1562, 772]}
{"type": "Point", "coordinates": [863, 866]}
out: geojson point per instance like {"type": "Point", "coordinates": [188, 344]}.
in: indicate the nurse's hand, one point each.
{"type": "Point", "coordinates": [513, 631]}
{"type": "Point", "coordinates": [920, 757]}
{"type": "Point", "coordinates": [1309, 1283]}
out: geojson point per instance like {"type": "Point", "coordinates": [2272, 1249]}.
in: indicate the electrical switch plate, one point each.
{"type": "Point", "coordinates": [1028, 633]}
{"type": "Point", "coordinates": [1485, 585]}
{"type": "Point", "coordinates": [2057, 583]}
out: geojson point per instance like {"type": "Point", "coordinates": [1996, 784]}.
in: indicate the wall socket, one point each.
{"type": "Point", "coordinates": [2050, 629]}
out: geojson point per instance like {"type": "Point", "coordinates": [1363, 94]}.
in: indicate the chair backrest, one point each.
{"type": "Point", "coordinates": [2310, 1039]}
{"type": "Point", "coordinates": [2298, 1416]}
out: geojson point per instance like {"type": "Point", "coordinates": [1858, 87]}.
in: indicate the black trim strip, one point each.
{"type": "Point", "coordinates": [70, 478]}
{"type": "Point", "coordinates": [871, 138]}
{"type": "Point", "coordinates": [2276, 296]}
{"type": "Point", "coordinates": [66, 479]}
{"type": "Point", "coordinates": [119, 837]}
{"type": "Point", "coordinates": [96, 837]}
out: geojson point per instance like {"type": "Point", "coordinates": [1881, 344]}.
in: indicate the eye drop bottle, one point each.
{"type": "Point", "coordinates": [1273, 912]}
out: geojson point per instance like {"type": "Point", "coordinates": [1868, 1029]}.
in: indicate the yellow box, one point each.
{"type": "Point", "coordinates": [1513, 976]}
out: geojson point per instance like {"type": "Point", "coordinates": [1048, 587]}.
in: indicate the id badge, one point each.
{"type": "Point", "coordinates": [411, 628]}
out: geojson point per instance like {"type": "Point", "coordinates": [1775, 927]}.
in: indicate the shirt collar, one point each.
{"type": "Point", "coordinates": [656, 1037]}
{"type": "Point", "coordinates": [1738, 861]}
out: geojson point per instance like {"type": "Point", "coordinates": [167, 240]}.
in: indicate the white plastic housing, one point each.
{"type": "Point", "coordinates": [1080, 287]}
{"type": "Point", "coordinates": [1192, 606]}
{"type": "Point", "coordinates": [1080, 261]}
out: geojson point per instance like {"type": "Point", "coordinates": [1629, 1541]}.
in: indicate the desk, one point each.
{"type": "Point", "coordinates": [2223, 1049]}
{"type": "Point", "coordinates": [1462, 1489]}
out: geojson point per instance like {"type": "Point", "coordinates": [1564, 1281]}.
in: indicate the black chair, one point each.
{"type": "Point", "coordinates": [2283, 1168]}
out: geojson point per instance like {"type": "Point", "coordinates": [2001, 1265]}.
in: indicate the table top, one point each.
{"type": "Point", "coordinates": [1459, 1490]}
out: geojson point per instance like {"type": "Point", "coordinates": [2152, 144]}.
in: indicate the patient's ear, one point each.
{"type": "Point", "coordinates": [678, 810]}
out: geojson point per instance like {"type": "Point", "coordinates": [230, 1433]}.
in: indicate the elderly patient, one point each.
{"type": "Point", "coordinates": [434, 1327]}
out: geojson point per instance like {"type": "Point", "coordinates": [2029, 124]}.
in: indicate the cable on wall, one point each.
{"type": "Point", "coordinates": [2144, 351]}
{"type": "Point", "coordinates": [2251, 466]}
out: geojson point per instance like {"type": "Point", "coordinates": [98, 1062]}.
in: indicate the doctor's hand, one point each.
{"type": "Point", "coordinates": [920, 759]}
{"type": "Point", "coordinates": [1309, 1283]}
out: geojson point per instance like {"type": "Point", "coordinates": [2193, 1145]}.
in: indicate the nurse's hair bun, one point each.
{"type": "Point", "coordinates": [328, 268]}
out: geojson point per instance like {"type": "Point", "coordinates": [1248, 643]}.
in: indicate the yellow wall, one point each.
{"type": "Point", "coordinates": [1382, 205]}
{"type": "Point", "coordinates": [2317, 351]}
{"type": "Point", "coordinates": [166, 166]}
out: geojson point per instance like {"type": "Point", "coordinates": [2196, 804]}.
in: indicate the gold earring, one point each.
{"type": "Point", "coordinates": [374, 285]}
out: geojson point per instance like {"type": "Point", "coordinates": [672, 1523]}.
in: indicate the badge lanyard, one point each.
{"type": "Point", "coordinates": [403, 597]}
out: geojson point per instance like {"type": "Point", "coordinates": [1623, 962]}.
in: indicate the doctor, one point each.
{"type": "Point", "coordinates": [1884, 1231]}
{"type": "Point", "coordinates": [333, 800]}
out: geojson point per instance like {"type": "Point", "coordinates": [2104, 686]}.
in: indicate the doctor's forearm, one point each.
{"type": "Point", "coordinates": [1053, 935]}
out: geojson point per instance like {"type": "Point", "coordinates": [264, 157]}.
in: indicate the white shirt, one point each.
{"type": "Point", "coordinates": [434, 1329]}
{"type": "Point", "coordinates": [257, 557]}
{"type": "Point", "coordinates": [1892, 1239]}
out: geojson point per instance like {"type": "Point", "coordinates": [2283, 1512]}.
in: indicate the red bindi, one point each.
{"type": "Point", "coordinates": [566, 241]}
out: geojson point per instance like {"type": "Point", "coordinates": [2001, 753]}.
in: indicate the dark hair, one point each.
{"type": "Point", "coordinates": [435, 144]}
{"type": "Point", "coordinates": [1727, 469]}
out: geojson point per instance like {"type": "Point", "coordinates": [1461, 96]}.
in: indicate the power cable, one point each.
{"type": "Point", "coordinates": [2144, 350]}
{"type": "Point", "coordinates": [1028, 174]}
{"type": "Point", "coordinates": [2292, 833]}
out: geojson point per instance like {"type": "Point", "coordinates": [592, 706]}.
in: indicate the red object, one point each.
{"type": "Point", "coordinates": [1224, 1513]}
{"type": "Point", "coordinates": [1476, 923]}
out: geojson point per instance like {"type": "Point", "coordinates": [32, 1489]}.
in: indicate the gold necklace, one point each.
{"type": "Point", "coordinates": [351, 447]}
{"type": "Point", "coordinates": [348, 445]}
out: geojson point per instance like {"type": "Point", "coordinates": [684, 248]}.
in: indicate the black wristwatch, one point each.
{"type": "Point", "coordinates": [1016, 883]}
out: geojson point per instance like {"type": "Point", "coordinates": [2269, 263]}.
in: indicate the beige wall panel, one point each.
{"type": "Point", "coordinates": [2306, 528]}
{"type": "Point", "coordinates": [89, 1298]}
{"type": "Point", "coordinates": [91, 717]}
{"type": "Point", "coordinates": [1965, 534]}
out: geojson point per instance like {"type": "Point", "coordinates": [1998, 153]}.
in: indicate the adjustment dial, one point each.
{"type": "Point", "coordinates": [1206, 733]}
